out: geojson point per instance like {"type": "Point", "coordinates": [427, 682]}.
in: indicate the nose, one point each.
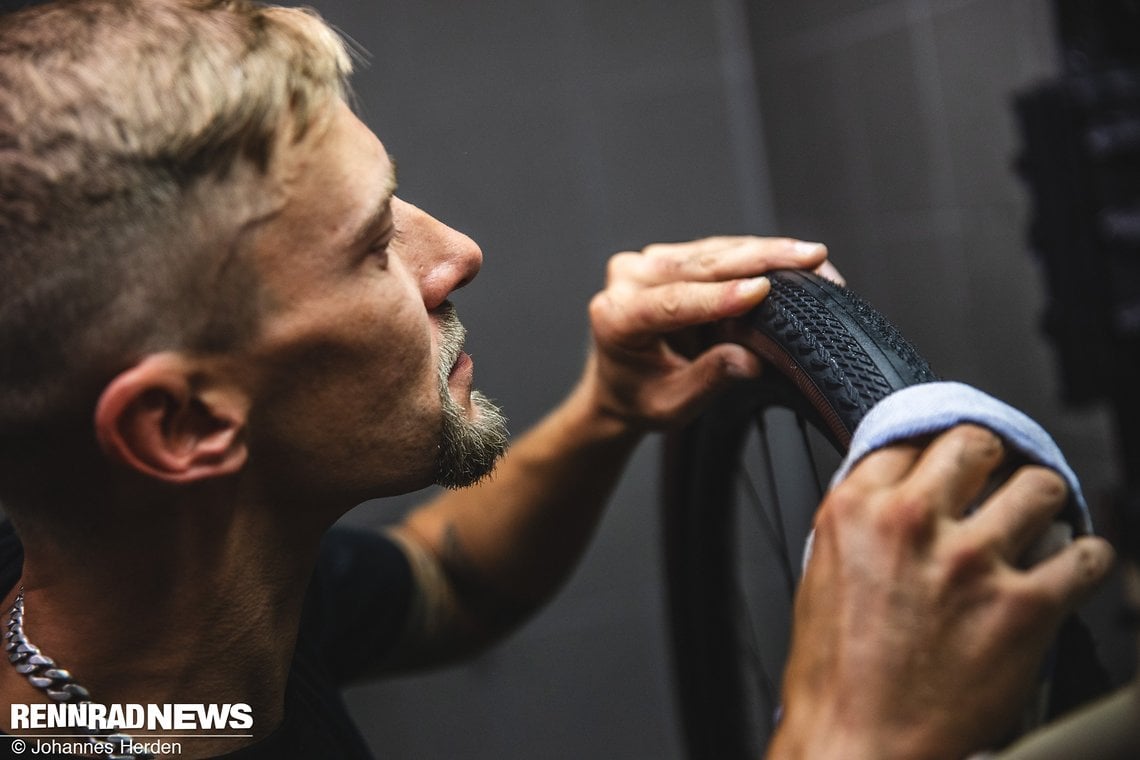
{"type": "Point", "coordinates": [443, 259]}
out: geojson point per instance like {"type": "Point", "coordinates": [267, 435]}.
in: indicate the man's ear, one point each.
{"type": "Point", "coordinates": [163, 418]}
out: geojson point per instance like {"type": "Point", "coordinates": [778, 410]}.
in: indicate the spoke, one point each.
{"type": "Point", "coordinates": [765, 684]}
{"type": "Point", "coordinates": [772, 526]}
{"type": "Point", "coordinates": [777, 508]}
{"type": "Point", "coordinates": [775, 541]}
{"type": "Point", "coordinates": [756, 502]}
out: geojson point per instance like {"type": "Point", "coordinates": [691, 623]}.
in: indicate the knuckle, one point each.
{"type": "Point", "coordinates": [656, 409]}
{"type": "Point", "coordinates": [909, 516]}
{"type": "Point", "coordinates": [601, 309]}
{"type": "Point", "coordinates": [965, 561]}
{"type": "Point", "coordinates": [982, 440]}
{"type": "Point", "coordinates": [671, 268]}
{"type": "Point", "coordinates": [707, 262]}
{"type": "Point", "coordinates": [846, 501]}
{"type": "Point", "coordinates": [832, 513]}
{"type": "Point", "coordinates": [599, 304]}
{"type": "Point", "coordinates": [716, 374]}
{"type": "Point", "coordinates": [670, 303]}
{"type": "Point", "coordinates": [622, 266]}
{"type": "Point", "coordinates": [1048, 484]}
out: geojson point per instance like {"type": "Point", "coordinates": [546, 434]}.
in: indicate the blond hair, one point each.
{"type": "Point", "coordinates": [135, 136]}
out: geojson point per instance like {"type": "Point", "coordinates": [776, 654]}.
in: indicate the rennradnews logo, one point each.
{"type": "Point", "coordinates": [169, 717]}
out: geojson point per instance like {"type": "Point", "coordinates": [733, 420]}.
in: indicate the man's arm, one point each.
{"type": "Point", "coordinates": [487, 556]}
{"type": "Point", "coordinates": [916, 632]}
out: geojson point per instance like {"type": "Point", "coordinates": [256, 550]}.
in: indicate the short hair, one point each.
{"type": "Point", "coordinates": [134, 138]}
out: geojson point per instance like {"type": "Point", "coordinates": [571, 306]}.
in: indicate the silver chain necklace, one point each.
{"type": "Point", "coordinates": [57, 683]}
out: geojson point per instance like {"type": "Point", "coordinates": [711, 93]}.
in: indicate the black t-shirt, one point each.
{"type": "Point", "coordinates": [354, 611]}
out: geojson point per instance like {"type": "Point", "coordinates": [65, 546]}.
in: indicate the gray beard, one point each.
{"type": "Point", "coordinates": [468, 448]}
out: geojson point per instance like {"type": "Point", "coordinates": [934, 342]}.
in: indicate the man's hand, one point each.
{"type": "Point", "coordinates": [916, 632]}
{"type": "Point", "coordinates": [640, 378]}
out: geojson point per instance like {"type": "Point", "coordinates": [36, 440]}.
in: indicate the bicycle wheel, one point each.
{"type": "Point", "coordinates": [829, 358]}
{"type": "Point", "coordinates": [738, 509]}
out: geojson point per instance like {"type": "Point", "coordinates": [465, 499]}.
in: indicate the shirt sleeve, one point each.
{"type": "Point", "coordinates": [358, 601]}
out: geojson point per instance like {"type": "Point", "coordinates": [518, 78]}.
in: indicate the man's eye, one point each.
{"type": "Point", "coordinates": [379, 253]}
{"type": "Point", "coordinates": [379, 249]}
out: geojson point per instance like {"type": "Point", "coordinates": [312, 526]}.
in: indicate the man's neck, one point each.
{"type": "Point", "coordinates": [200, 610]}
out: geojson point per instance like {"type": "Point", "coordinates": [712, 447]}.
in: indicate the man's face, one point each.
{"type": "Point", "coordinates": [363, 388]}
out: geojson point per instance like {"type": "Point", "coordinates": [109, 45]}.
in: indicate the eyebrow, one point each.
{"type": "Point", "coordinates": [368, 227]}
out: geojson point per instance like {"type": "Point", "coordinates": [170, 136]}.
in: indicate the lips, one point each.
{"type": "Point", "coordinates": [461, 363]}
{"type": "Point", "coordinates": [455, 366]}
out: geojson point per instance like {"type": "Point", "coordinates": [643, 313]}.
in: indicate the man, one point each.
{"type": "Point", "coordinates": [221, 329]}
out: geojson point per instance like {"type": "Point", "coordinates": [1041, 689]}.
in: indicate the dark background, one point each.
{"type": "Point", "coordinates": [557, 132]}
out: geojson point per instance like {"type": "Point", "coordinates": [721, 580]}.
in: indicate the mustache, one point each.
{"type": "Point", "coordinates": [452, 335]}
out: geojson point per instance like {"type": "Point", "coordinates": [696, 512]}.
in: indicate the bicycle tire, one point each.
{"type": "Point", "coordinates": [829, 357]}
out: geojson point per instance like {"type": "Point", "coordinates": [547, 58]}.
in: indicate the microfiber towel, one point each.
{"type": "Point", "coordinates": [930, 408]}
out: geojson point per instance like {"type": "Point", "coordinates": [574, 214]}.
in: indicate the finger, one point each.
{"type": "Point", "coordinates": [1069, 576]}
{"type": "Point", "coordinates": [828, 271]}
{"type": "Point", "coordinates": [629, 315]}
{"type": "Point", "coordinates": [1020, 511]}
{"type": "Point", "coordinates": [953, 470]}
{"type": "Point", "coordinates": [886, 466]}
{"type": "Point", "coordinates": [732, 360]}
{"type": "Point", "coordinates": [693, 385]}
{"type": "Point", "coordinates": [716, 259]}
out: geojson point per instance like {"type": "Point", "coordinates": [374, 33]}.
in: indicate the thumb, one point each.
{"type": "Point", "coordinates": [709, 373]}
{"type": "Point", "coordinates": [727, 361]}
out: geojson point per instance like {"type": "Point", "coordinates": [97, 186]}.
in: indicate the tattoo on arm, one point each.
{"type": "Point", "coordinates": [433, 612]}
{"type": "Point", "coordinates": [454, 611]}
{"type": "Point", "coordinates": [492, 605]}
{"type": "Point", "coordinates": [456, 559]}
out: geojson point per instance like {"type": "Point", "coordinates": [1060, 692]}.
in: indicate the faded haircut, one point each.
{"type": "Point", "coordinates": [135, 141]}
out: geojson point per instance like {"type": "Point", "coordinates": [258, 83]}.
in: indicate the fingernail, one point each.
{"type": "Point", "coordinates": [752, 287]}
{"type": "Point", "coordinates": [804, 247]}
{"type": "Point", "coordinates": [738, 371]}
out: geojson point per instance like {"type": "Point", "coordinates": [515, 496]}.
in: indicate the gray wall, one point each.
{"type": "Point", "coordinates": [891, 138]}
{"type": "Point", "coordinates": [559, 131]}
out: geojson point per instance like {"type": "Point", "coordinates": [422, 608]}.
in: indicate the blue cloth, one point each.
{"type": "Point", "coordinates": [930, 408]}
